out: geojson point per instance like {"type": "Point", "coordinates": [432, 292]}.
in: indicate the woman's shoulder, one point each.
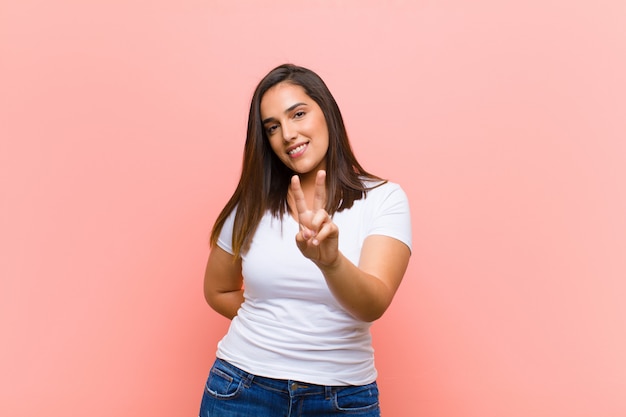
{"type": "Point", "coordinates": [381, 193]}
{"type": "Point", "coordinates": [380, 186]}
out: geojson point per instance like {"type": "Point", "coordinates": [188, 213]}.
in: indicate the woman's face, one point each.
{"type": "Point", "coordinates": [296, 128]}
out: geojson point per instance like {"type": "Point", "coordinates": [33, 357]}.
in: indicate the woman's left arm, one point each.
{"type": "Point", "coordinates": [366, 290]}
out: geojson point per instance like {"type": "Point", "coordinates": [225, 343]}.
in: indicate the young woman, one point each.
{"type": "Point", "coordinates": [321, 245]}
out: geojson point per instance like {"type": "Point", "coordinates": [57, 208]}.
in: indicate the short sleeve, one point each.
{"type": "Point", "coordinates": [225, 239]}
{"type": "Point", "coordinates": [391, 214]}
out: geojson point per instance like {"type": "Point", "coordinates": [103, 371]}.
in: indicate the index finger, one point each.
{"type": "Point", "coordinates": [298, 196]}
{"type": "Point", "coordinates": [319, 201]}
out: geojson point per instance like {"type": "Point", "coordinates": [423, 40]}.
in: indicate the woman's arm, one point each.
{"type": "Point", "coordinates": [223, 283]}
{"type": "Point", "coordinates": [365, 290]}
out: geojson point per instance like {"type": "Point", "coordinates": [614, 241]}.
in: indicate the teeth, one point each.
{"type": "Point", "coordinates": [296, 150]}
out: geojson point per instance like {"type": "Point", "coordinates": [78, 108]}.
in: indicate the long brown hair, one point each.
{"type": "Point", "coordinates": [265, 179]}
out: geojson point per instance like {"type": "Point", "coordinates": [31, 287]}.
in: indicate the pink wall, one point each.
{"type": "Point", "coordinates": [122, 124]}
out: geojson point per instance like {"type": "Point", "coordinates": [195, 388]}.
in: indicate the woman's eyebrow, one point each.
{"type": "Point", "coordinates": [271, 119]}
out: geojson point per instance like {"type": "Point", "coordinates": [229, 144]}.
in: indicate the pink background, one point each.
{"type": "Point", "coordinates": [122, 126]}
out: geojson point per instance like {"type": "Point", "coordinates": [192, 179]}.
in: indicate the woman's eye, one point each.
{"type": "Point", "coordinates": [271, 129]}
{"type": "Point", "coordinates": [298, 114]}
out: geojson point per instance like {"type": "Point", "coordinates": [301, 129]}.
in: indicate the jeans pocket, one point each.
{"type": "Point", "coordinates": [223, 383]}
{"type": "Point", "coordinates": [357, 398]}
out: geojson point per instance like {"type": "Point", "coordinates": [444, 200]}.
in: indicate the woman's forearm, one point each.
{"type": "Point", "coordinates": [363, 295]}
{"type": "Point", "coordinates": [366, 290]}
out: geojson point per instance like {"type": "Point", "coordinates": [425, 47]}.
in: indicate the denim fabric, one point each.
{"type": "Point", "coordinates": [232, 392]}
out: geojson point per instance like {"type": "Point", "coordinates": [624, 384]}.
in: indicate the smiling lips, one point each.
{"type": "Point", "coordinates": [298, 150]}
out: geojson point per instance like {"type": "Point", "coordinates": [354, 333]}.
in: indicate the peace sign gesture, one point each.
{"type": "Point", "coordinates": [318, 238]}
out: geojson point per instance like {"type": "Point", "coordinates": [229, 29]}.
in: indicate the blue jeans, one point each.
{"type": "Point", "coordinates": [232, 392]}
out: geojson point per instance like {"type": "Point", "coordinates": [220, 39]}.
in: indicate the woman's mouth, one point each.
{"type": "Point", "coordinates": [298, 150]}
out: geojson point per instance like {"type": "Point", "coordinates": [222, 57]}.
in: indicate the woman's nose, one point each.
{"type": "Point", "coordinates": [289, 132]}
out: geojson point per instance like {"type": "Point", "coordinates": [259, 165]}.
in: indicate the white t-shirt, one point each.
{"type": "Point", "coordinates": [290, 326]}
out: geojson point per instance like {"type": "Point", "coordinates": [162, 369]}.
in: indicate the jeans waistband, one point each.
{"type": "Point", "coordinates": [287, 386]}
